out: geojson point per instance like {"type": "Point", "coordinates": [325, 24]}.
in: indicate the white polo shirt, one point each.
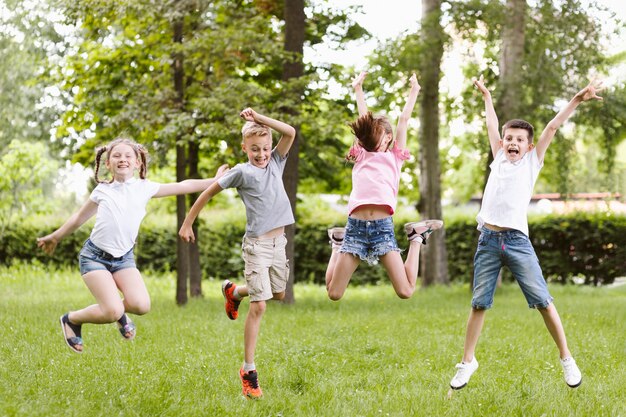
{"type": "Point", "coordinates": [509, 190]}
{"type": "Point", "coordinates": [121, 208]}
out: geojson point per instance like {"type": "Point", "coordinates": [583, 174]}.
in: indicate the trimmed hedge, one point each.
{"type": "Point", "coordinates": [583, 246]}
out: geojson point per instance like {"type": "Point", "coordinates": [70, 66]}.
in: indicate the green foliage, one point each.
{"type": "Point", "coordinates": [370, 354]}
{"type": "Point", "coordinates": [25, 176]}
{"type": "Point", "coordinates": [579, 246]}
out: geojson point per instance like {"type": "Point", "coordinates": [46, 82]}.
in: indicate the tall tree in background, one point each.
{"type": "Point", "coordinates": [293, 68]}
{"type": "Point", "coordinates": [434, 257]}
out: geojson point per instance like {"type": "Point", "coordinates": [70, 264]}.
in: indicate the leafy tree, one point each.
{"type": "Point", "coordinates": [25, 172]}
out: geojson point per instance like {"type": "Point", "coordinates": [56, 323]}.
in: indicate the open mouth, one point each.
{"type": "Point", "coordinates": [513, 151]}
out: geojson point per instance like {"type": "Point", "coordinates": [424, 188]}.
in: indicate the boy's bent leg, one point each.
{"type": "Point", "coordinates": [344, 266]}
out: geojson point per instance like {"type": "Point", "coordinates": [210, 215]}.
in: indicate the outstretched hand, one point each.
{"type": "Point", "coordinates": [47, 244]}
{"type": "Point", "coordinates": [248, 114]}
{"type": "Point", "coordinates": [358, 80]}
{"type": "Point", "coordinates": [480, 84]}
{"type": "Point", "coordinates": [413, 82]}
{"type": "Point", "coordinates": [589, 92]}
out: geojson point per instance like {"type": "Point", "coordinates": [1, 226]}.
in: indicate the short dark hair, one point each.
{"type": "Point", "coordinates": [520, 124]}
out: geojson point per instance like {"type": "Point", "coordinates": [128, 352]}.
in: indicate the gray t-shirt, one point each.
{"type": "Point", "coordinates": [263, 193]}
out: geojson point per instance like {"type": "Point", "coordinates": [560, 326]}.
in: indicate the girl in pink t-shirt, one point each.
{"type": "Point", "coordinates": [369, 234]}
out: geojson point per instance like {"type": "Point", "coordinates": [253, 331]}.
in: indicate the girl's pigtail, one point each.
{"type": "Point", "coordinates": [143, 156]}
{"type": "Point", "coordinates": [99, 153]}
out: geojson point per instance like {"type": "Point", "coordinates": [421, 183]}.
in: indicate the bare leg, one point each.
{"type": "Point", "coordinates": [553, 323]}
{"type": "Point", "coordinates": [132, 286]}
{"type": "Point", "coordinates": [474, 328]}
{"type": "Point", "coordinates": [109, 306]}
{"type": "Point", "coordinates": [340, 269]}
{"type": "Point", "coordinates": [403, 276]}
{"type": "Point", "coordinates": [251, 330]}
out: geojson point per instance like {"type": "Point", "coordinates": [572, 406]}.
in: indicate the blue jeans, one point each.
{"type": "Point", "coordinates": [369, 239]}
{"type": "Point", "coordinates": [92, 258]}
{"type": "Point", "coordinates": [513, 249]}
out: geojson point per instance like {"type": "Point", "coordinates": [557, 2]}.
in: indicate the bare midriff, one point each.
{"type": "Point", "coordinates": [371, 212]}
{"type": "Point", "coordinates": [272, 233]}
{"type": "Point", "coordinates": [496, 228]}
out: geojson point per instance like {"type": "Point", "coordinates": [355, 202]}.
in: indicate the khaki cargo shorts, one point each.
{"type": "Point", "coordinates": [266, 266]}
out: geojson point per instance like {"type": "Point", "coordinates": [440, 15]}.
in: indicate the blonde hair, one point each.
{"type": "Point", "coordinates": [140, 152]}
{"type": "Point", "coordinates": [255, 129]}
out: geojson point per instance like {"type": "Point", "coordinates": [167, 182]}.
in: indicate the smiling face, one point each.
{"type": "Point", "coordinates": [515, 143]}
{"type": "Point", "coordinates": [259, 149]}
{"type": "Point", "coordinates": [122, 162]}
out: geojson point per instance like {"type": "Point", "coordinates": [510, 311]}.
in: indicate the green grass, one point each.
{"type": "Point", "coordinates": [371, 354]}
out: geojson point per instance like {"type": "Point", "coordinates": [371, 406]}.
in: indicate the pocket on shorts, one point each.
{"type": "Point", "coordinates": [254, 279]}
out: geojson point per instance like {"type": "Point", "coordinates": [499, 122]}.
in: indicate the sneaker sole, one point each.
{"type": "Point", "coordinates": [575, 386]}
{"type": "Point", "coordinates": [224, 285]}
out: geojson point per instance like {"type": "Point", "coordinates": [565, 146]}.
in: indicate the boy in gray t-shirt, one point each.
{"type": "Point", "coordinates": [268, 210]}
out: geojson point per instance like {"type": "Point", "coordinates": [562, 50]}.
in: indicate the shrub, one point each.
{"type": "Point", "coordinates": [586, 246]}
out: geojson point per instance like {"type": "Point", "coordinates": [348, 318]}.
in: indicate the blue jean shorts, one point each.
{"type": "Point", "coordinates": [92, 258]}
{"type": "Point", "coordinates": [513, 249]}
{"type": "Point", "coordinates": [369, 239]}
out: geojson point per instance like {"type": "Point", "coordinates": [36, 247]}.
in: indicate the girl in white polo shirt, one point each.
{"type": "Point", "coordinates": [107, 262]}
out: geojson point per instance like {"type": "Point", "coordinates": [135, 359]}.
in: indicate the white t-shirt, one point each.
{"type": "Point", "coordinates": [121, 208]}
{"type": "Point", "coordinates": [509, 190]}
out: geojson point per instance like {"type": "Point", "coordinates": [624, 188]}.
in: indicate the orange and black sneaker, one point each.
{"type": "Point", "coordinates": [250, 384]}
{"type": "Point", "coordinates": [231, 305]}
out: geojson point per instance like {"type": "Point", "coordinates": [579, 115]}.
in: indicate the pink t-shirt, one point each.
{"type": "Point", "coordinates": [376, 177]}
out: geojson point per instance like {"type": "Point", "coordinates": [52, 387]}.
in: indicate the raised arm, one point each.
{"type": "Point", "coordinates": [587, 93]}
{"type": "Point", "coordinates": [287, 132]}
{"type": "Point", "coordinates": [491, 118]}
{"type": "Point", "coordinates": [403, 122]}
{"type": "Point", "coordinates": [186, 232]}
{"type": "Point", "coordinates": [49, 242]}
{"type": "Point", "coordinates": [189, 186]}
{"type": "Point", "coordinates": [357, 85]}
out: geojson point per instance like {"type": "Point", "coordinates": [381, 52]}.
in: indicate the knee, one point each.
{"type": "Point", "coordinates": [138, 307]}
{"type": "Point", "coordinates": [257, 308]}
{"type": "Point", "coordinates": [278, 296]}
{"type": "Point", "coordinates": [112, 313]}
{"type": "Point", "coordinates": [334, 295]}
{"type": "Point", "coordinates": [405, 293]}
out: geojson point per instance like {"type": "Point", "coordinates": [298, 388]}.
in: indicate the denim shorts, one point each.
{"type": "Point", "coordinates": [92, 258]}
{"type": "Point", "coordinates": [513, 249]}
{"type": "Point", "coordinates": [369, 239]}
{"type": "Point", "coordinates": [266, 266]}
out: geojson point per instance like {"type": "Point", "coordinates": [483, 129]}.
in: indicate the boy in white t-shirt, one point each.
{"type": "Point", "coordinates": [503, 223]}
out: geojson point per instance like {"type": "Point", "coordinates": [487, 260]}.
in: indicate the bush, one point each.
{"type": "Point", "coordinates": [590, 247]}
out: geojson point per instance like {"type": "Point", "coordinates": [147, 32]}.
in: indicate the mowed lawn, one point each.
{"type": "Point", "coordinates": [370, 354]}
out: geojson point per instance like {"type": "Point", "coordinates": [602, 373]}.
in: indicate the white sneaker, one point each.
{"type": "Point", "coordinates": [465, 371]}
{"type": "Point", "coordinates": [572, 374]}
{"type": "Point", "coordinates": [421, 230]}
{"type": "Point", "coordinates": [336, 235]}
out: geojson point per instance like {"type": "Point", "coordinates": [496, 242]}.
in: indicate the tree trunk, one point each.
{"type": "Point", "coordinates": [510, 65]}
{"type": "Point", "coordinates": [195, 270]}
{"type": "Point", "coordinates": [434, 258]}
{"type": "Point", "coordinates": [293, 68]}
{"type": "Point", "coordinates": [182, 248]}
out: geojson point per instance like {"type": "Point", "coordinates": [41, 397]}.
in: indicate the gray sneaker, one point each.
{"type": "Point", "coordinates": [336, 235]}
{"type": "Point", "coordinates": [421, 230]}
{"type": "Point", "coordinates": [572, 374]}
{"type": "Point", "coordinates": [464, 373]}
